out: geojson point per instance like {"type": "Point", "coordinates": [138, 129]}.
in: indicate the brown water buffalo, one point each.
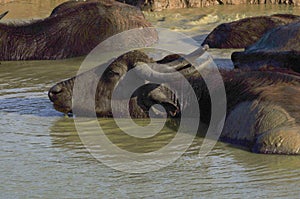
{"type": "Point", "coordinates": [263, 113]}
{"type": "Point", "coordinates": [279, 48]}
{"type": "Point", "coordinates": [73, 29]}
{"type": "Point", "coordinates": [61, 93]}
{"type": "Point", "coordinates": [245, 32]}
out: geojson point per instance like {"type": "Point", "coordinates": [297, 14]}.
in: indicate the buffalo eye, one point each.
{"type": "Point", "coordinates": [111, 74]}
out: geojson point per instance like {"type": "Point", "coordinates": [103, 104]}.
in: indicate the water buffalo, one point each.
{"type": "Point", "coordinates": [61, 93]}
{"type": "Point", "coordinates": [279, 48]}
{"type": "Point", "coordinates": [73, 29]}
{"type": "Point", "coordinates": [245, 32]}
{"type": "Point", "coordinates": [263, 114]}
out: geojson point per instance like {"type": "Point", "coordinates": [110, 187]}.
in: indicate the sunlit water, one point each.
{"type": "Point", "coordinates": [41, 154]}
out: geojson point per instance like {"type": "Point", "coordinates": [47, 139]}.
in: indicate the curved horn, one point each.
{"type": "Point", "coordinates": [146, 72]}
{"type": "Point", "coordinates": [197, 53]}
{"type": "Point", "coordinates": [3, 15]}
{"type": "Point", "coordinates": [167, 72]}
{"type": "Point", "coordinates": [181, 62]}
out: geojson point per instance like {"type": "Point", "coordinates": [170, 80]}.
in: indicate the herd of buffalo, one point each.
{"type": "Point", "coordinates": [262, 90]}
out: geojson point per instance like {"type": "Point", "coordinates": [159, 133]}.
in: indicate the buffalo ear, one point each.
{"type": "Point", "coordinates": [151, 94]}
{"type": "Point", "coordinates": [172, 108]}
{"type": "Point", "coordinates": [169, 102]}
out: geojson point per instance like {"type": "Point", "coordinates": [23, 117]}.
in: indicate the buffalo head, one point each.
{"type": "Point", "coordinates": [142, 99]}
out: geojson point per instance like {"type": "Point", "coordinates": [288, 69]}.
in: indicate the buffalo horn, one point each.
{"type": "Point", "coordinates": [167, 72]}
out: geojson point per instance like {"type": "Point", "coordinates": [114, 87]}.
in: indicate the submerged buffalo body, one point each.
{"type": "Point", "coordinates": [263, 113]}
{"type": "Point", "coordinates": [245, 32]}
{"type": "Point", "coordinates": [73, 29]}
{"type": "Point", "coordinates": [279, 48]}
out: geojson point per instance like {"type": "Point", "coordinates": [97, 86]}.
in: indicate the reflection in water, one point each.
{"type": "Point", "coordinates": [41, 154]}
{"type": "Point", "coordinates": [114, 134]}
{"type": "Point", "coordinates": [225, 169]}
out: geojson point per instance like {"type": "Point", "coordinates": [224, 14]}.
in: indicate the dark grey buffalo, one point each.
{"type": "Point", "coordinates": [279, 49]}
{"type": "Point", "coordinates": [263, 112]}
{"type": "Point", "coordinates": [245, 32]}
{"type": "Point", "coordinates": [73, 29]}
{"type": "Point", "coordinates": [61, 93]}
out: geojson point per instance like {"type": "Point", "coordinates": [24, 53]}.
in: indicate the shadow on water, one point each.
{"type": "Point", "coordinates": [64, 135]}
{"type": "Point", "coordinates": [226, 168]}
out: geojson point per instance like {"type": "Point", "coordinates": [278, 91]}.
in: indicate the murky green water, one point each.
{"type": "Point", "coordinates": [41, 154]}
